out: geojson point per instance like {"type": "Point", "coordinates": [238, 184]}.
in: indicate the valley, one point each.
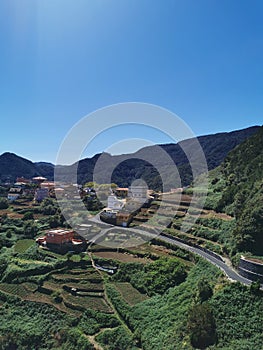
{"type": "Point", "coordinates": [131, 288]}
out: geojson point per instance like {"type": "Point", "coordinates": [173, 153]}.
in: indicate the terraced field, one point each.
{"type": "Point", "coordinates": [123, 257]}
{"type": "Point", "coordinates": [14, 289]}
{"type": "Point", "coordinates": [210, 229]}
{"type": "Point", "coordinates": [131, 295]}
{"type": "Point", "coordinates": [83, 302]}
{"type": "Point", "coordinates": [73, 291]}
{"type": "Point", "coordinates": [23, 244]}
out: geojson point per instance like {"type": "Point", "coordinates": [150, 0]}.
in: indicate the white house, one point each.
{"type": "Point", "coordinates": [139, 193]}
{"type": "Point", "coordinates": [14, 193]}
{"type": "Point", "coordinates": [114, 202]}
{"type": "Point", "coordinates": [13, 196]}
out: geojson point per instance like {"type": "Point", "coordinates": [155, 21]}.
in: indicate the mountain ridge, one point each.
{"type": "Point", "coordinates": [215, 146]}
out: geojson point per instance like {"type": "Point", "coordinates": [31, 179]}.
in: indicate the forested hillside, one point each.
{"type": "Point", "coordinates": [237, 189]}
{"type": "Point", "coordinates": [133, 166]}
{"type": "Point", "coordinates": [13, 166]}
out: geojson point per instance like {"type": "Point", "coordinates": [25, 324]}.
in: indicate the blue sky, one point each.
{"type": "Point", "coordinates": [62, 59]}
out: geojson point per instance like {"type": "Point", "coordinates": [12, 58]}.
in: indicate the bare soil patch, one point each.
{"type": "Point", "coordinates": [123, 257]}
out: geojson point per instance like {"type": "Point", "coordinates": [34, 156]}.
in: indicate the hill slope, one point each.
{"type": "Point", "coordinates": [12, 166]}
{"type": "Point", "coordinates": [237, 189]}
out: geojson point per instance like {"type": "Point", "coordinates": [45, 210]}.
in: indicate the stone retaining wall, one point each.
{"type": "Point", "coordinates": [250, 269]}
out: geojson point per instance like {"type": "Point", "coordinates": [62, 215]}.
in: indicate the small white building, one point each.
{"type": "Point", "coordinates": [12, 196]}
{"type": "Point", "coordinates": [14, 193]}
{"type": "Point", "coordinates": [114, 202]}
{"type": "Point", "coordinates": [139, 193]}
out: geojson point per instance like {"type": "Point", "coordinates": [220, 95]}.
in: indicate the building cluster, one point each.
{"type": "Point", "coordinates": [124, 203]}
{"type": "Point", "coordinates": [39, 188]}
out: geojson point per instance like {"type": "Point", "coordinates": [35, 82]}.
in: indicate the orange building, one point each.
{"type": "Point", "coordinates": [123, 218]}
{"type": "Point", "coordinates": [59, 237]}
{"type": "Point", "coordinates": [22, 180]}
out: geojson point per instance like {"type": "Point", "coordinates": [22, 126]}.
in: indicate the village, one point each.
{"type": "Point", "coordinates": [118, 206]}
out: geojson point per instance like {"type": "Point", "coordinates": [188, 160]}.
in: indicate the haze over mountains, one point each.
{"type": "Point", "coordinates": [215, 148]}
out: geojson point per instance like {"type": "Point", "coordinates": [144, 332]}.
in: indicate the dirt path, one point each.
{"type": "Point", "coordinates": [92, 340]}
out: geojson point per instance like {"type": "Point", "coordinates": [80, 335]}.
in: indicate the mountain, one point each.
{"type": "Point", "coordinates": [12, 166]}
{"type": "Point", "coordinates": [236, 187]}
{"type": "Point", "coordinates": [148, 163]}
{"type": "Point", "coordinates": [45, 169]}
{"type": "Point", "coordinates": [124, 171]}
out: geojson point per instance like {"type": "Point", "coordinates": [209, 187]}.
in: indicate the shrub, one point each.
{"type": "Point", "coordinates": [28, 215]}
{"type": "Point", "coordinates": [57, 297]}
{"type": "Point", "coordinates": [201, 326]}
{"type": "Point", "coordinates": [3, 203]}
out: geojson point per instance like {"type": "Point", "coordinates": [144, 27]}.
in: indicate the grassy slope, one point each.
{"type": "Point", "coordinates": [236, 188]}
{"type": "Point", "coordinates": [161, 322]}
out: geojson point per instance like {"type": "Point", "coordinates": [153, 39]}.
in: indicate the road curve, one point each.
{"type": "Point", "coordinates": [229, 271]}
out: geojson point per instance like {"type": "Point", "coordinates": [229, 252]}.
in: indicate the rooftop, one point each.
{"type": "Point", "coordinates": [58, 232]}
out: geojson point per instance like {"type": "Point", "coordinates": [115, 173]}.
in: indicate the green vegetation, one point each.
{"type": "Point", "coordinates": [22, 245]}
{"type": "Point", "coordinates": [116, 311]}
{"type": "Point", "coordinates": [92, 321]}
{"type": "Point", "coordinates": [3, 203]}
{"type": "Point", "coordinates": [152, 278]}
{"type": "Point", "coordinates": [236, 188]}
{"type": "Point", "coordinates": [170, 299]}
{"type": "Point", "coordinates": [131, 295]}
{"type": "Point", "coordinates": [118, 338]}
{"type": "Point", "coordinates": [238, 315]}
{"type": "Point", "coordinates": [201, 326]}
{"type": "Point", "coordinates": [26, 325]}
{"type": "Point", "coordinates": [205, 291]}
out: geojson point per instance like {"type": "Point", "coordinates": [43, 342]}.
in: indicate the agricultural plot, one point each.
{"type": "Point", "coordinates": [92, 276]}
{"type": "Point", "coordinates": [123, 257]}
{"type": "Point", "coordinates": [51, 287]}
{"type": "Point", "coordinates": [23, 244]}
{"type": "Point", "coordinates": [48, 299]}
{"type": "Point", "coordinates": [131, 295]}
{"type": "Point", "coordinates": [48, 252]}
{"type": "Point", "coordinates": [86, 287]}
{"type": "Point", "coordinates": [78, 291]}
{"type": "Point", "coordinates": [86, 302]}
{"type": "Point", "coordinates": [14, 289]}
{"type": "Point", "coordinates": [30, 286]}
{"type": "Point", "coordinates": [73, 291]}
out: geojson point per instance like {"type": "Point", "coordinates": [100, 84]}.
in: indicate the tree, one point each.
{"type": "Point", "coordinates": [255, 287]}
{"type": "Point", "coordinates": [48, 206]}
{"type": "Point", "coordinates": [204, 289]}
{"type": "Point", "coordinates": [30, 229]}
{"type": "Point", "coordinates": [201, 326]}
{"type": "Point", "coordinates": [54, 221]}
{"type": "Point", "coordinates": [69, 256]}
{"type": "Point", "coordinates": [9, 233]}
{"type": "Point", "coordinates": [3, 203]}
{"type": "Point", "coordinates": [57, 297]}
{"type": "Point", "coordinates": [28, 216]}
{"type": "Point", "coordinates": [3, 265]}
{"type": "Point", "coordinates": [82, 256]}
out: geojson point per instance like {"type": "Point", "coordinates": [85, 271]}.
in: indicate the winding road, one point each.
{"type": "Point", "coordinates": [218, 261]}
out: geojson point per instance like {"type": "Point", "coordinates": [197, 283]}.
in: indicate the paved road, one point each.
{"type": "Point", "coordinates": [229, 271]}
